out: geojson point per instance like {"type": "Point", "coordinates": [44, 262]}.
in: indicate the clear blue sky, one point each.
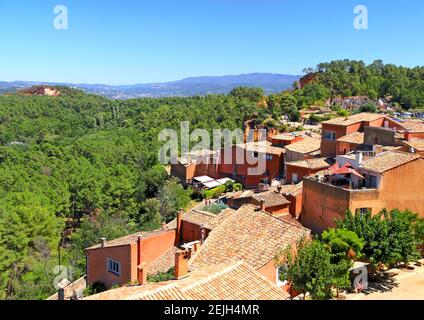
{"type": "Point", "coordinates": [129, 41]}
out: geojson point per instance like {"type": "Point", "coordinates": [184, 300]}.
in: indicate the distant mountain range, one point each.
{"type": "Point", "coordinates": [271, 83]}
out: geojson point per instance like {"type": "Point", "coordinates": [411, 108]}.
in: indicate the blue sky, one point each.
{"type": "Point", "coordinates": [129, 41]}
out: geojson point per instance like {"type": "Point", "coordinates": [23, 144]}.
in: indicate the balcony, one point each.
{"type": "Point", "coordinates": [341, 189]}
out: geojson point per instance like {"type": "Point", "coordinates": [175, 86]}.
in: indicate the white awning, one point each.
{"type": "Point", "coordinates": [212, 184]}
{"type": "Point", "coordinates": [203, 179]}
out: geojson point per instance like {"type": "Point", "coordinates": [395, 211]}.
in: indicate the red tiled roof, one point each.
{"type": "Point", "coordinates": [388, 160]}
{"type": "Point", "coordinates": [272, 198]}
{"type": "Point", "coordinates": [249, 234]}
{"type": "Point", "coordinates": [233, 281]}
{"type": "Point", "coordinates": [361, 117]}
{"type": "Point", "coordinates": [305, 146]}
{"type": "Point", "coordinates": [355, 138]}
{"type": "Point", "coordinates": [314, 163]}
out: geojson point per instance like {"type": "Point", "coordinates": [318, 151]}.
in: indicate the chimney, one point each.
{"type": "Point", "coordinates": [196, 246]}
{"type": "Point", "coordinates": [181, 264]}
{"type": "Point", "coordinates": [202, 234]}
{"type": "Point", "coordinates": [139, 239]}
{"type": "Point", "coordinates": [142, 274]}
{"type": "Point", "coordinates": [61, 294]}
{"type": "Point", "coordinates": [263, 205]}
{"type": "Point", "coordinates": [358, 158]}
{"type": "Point", "coordinates": [103, 242]}
{"type": "Point", "coordinates": [279, 188]}
{"type": "Point", "coordinates": [179, 225]}
{"type": "Point", "coordinates": [407, 135]}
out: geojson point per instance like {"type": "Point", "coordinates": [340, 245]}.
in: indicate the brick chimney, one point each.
{"type": "Point", "coordinates": [263, 205]}
{"type": "Point", "coordinates": [179, 225]}
{"type": "Point", "coordinates": [181, 264]}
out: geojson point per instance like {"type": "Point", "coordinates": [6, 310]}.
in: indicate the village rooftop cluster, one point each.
{"type": "Point", "coordinates": [363, 163]}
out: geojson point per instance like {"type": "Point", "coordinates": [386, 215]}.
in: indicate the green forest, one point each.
{"type": "Point", "coordinates": [78, 167]}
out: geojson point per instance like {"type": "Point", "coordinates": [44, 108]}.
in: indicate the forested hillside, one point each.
{"type": "Point", "coordinates": [77, 167]}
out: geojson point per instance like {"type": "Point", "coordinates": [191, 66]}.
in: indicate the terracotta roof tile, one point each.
{"type": "Point", "coordinates": [314, 163]}
{"type": "Point", "coordinates": [233, 281]}
{"type": "Point", "coordinates": [198, 217]}
{"type": "Point", "coordinates": [271, 198]}
{"type": "Point", "coordinates": [416, 143]}
{"type": "Point", "coordinates": [355, 137]}
{"type": "Point", "coordinates": [164, 263]}
{"type": "Point", "coordinates": [388, 160]}
{"type": "Point", "coordinates": [250, 235]}
{"type": "Point", "coordinates": [361, 117]}
{"type": "Point", "coordinates": [262, 147]}
{"type": "Point", "coordinates": [307, 145]}
{"type": "Point", "coordinates": [413, 125]}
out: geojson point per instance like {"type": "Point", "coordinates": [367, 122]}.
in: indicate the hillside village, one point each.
{"type": "Point", "coordinates": [362, 163]}
{"type": "Point", "coordinates": [330, 208]}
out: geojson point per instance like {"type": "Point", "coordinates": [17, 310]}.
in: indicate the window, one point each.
{"type": "Point", "coordinates": [269, 157]}
{"type": "Point", "coordinates": [363, 211]}
{"type": "Point", "coordinates": [370, 181]}
{"type": "Point", "coordinates": [282, 275]}
{"type": "Point", "coordinates": [114, 267]}
{"type": "Point", "coordinates": [295, 177]}
{"type": "Point", "coordinates": [329, 135]}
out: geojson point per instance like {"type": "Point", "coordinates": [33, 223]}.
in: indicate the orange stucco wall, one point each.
{"type": "Point", "coordinates": [129, 256]}
{"type": "Point", "coordinates": [192, 232]}
{"type": "Point", "coordinates": [153, 247]}
{"type": "Point", "coordinates": [300, 171]}
{"type": "Point", "coordinates": [269, 271]}
{"type": "Point", "coordinates": [328, 147]}
{"type": "Point", "coordinates": [401, 188]}
{"type": "Point", "coordinates": [97, 265]}
{"type": "Point", "coordinates": [240, 168]}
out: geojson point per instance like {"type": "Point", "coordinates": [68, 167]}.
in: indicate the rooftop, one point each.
{"type": "Point", "coordinates": [307, 145]}
{"type": "Point", "coordinates": [207, 219]}
{"type": "Point", "coordinates": [416, 143]}
{"type": "Point", "coordinates": [388, 160]}
{"type": "Point", "coordinates": [262, 147]}
{"type": "Point", "coordinates": [232, 281]}
{"type": "Point", "coordinates": [355, 138]}
{"type": "Point", "coordinates": [164, 263]}
{"type": "Point", "coordinates": [361, 117]}
{"type": "Point", "coordinates": [313, 164]}
{"type": "Point", "coordinates": [413, 125]}
{"type": "Point", "coordinates": [129, 239]}
{"type": "Point", "coordinates": [249, 234]}
{"type": "Point", "coordinates": [272, 198]}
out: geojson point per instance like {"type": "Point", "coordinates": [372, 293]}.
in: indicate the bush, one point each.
{"type": "Point", "coordinates": [161, 277]}
{"type": "Point", "coordinates": [95, 288]}
{"type": "Point", "coordinates": [215, 208]}
{"type": "Point", "coordinates": [214, 193]}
